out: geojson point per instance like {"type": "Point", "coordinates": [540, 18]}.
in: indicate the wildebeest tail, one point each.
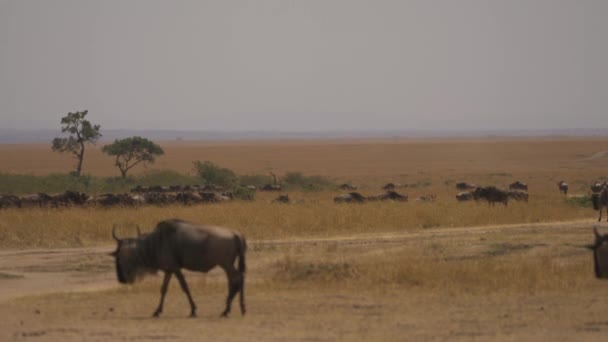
{"type": "Point", "coordinates": [241, 248]}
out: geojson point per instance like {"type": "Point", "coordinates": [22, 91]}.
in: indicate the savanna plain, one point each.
{"type": "Point", "coordinates": [321, 271]}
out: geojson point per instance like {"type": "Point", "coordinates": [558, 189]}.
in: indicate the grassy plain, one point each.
{"type": "Point", "coordinates": [427, 166]}
{"type": "Point", "coordinates": [324, 272]}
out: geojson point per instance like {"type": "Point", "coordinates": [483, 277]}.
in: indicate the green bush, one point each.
{"type": "Point", "coordinates": [244, 193]}
{"type": "Point", "coordinates": [210, 173]}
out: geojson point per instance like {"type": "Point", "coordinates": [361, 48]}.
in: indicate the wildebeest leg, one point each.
{"type": "Point", "coordinates": [163, 291]}
{"type": "Point", "coordinates": [234, 285]}
{"type": "Point", "coordinates": [184, 285]}
{"type": "Point", "coordinates": [242, 293]}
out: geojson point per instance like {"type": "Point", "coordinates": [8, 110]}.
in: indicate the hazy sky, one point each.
{"type": "Point", "coordinates": [305, 65]}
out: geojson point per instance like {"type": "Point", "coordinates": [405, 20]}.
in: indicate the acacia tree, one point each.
{"type": "Point", "coordinates": [81, 132]}
{"type": "Point", "coordinates": [132, 151]}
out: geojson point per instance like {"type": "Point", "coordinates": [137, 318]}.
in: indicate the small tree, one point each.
{"type": "Point", "coordinates": [132, 151]}
{"type": "Point", "coordinates": [81, 132]}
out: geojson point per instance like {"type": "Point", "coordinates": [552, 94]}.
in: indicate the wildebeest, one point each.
{"type": "Point", "coordinates": [176, 244]}
{"type": "Point", "coordinates": [517, 185]}
{"type": "Point", "coordinates": [600, 254]}
{"type": "Point", "coordinates": [600, 201]}
{"type": "Point", "coordinates": [282, 199]}
{"type": "Point", "coordinates": [597, 187]}
{"type": "Point", "coordinates": [68, 198]}
{"type": "Point", "coordinates": [270, 187]}
{"type": "Point", "coordinates": [351, 197]}
{"type": "Point", "coordinates": [40, 200]}
{"type": "Point", "coordinates": [465, 186]}
{"type": "Point", "coordinates": [426, 198]}
{"type": "Point", "coordinates": [347, 186]}
{"type": "Point", "coordinates": [563, 187]}
{"type": "Point", "coordinates": [518, 195]}
{"type": "Point", "coordinates": [389, 186]}
{"type": "Point", "coordinates": [8, 201]}
{"type": "Point", "coordinates": [187, 197]}
{"type": "Point", "coordinates": [213, 197]}
{"type": "Point", "coordinates": [491, 194]}
{"type": "Point", "coordinates": [389, 195]}
{"type": "Point", "coordinates": [464, 196]}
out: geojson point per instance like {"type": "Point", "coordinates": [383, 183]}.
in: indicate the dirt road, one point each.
{"type": "Point", "coordinates": [40, 271]}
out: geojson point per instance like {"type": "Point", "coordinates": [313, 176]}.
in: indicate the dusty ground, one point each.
{"type": "Point", "coordinates": [72, 294]}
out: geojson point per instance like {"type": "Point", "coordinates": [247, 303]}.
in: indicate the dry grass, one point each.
{"type": "Point", "coordinates": [317, 216]}
{"type": "Point", "coordinates": [428, 166]}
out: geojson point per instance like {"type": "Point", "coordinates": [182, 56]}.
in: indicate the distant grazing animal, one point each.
{"type": "Point", "coordinates": [68, 198]}
{"type": "Point", "coordinates": [176, 244]}
{"type": "Point", "coordinates": [563, 187]}
{"type": "Point", "coordinates": [10, 201]}
{"type": "Point", "coordinates": [464, 196]}
{"type": "Point", "coordinates": [491, 194]}
{"type": "Point", "coordinates": [465, 186]}
{"type": "Point", "coordinates": [214, 197]}
{"type": "Point", "coordinates": [389, 195]}
{"type": "Point", "coordinates": [600, 254]}
{"type": "Point", "coordinates": [600, 201]}
{"type": "Point", "coordinates": [426, 198]}
{"type": "Point", "coordinates": [389, 186]}
{"type": "Point", "coordinates": [352, 197]}
{"type": "Point", "coordinates": [40, 200]}
{"type": "Point", "coordinates": [188, 197]}
{"type": "Point", "coordinates": [282, 199]}
{"type": "Point", "coordinates": [518, 195]}
{"type": "Point", "coordinates": [518, 186]}
{"type": "Point", "coordinates": [270, 187]}
{"type": "Point", "coordinates": [347, 186]}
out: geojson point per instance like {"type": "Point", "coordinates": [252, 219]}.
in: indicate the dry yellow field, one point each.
{"type": "Point", "coordinates": [322, 271]}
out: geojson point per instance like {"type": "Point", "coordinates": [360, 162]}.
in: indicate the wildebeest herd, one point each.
{"type": "Point", "coordinates": [518, 191]}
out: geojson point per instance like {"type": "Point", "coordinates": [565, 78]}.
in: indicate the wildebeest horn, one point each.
{"type": "Point", "coordinates": [114, 233]}
{"type": "Point", "coordinates": [138, 231]}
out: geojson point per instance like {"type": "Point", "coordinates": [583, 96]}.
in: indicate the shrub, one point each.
{"type": "Point", "coordinates": [213, 174]}
{"type": "Point", "coordinates": [244, 193]}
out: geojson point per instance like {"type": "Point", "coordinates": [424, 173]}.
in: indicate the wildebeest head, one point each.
{"type": "Point", "coordinates": [128, 258]}
{"type": "Point", "coordinates": [600, 254]}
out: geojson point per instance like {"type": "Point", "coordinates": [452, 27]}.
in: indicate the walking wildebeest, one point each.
{"type": "Point", "coordinates": [176, 244]}
{"type": "Point", "coordinates": [518, 186]}
{"type": "Point", "coordinates": [600, 254]}
{"type": "Point", "coordinates": [491, 194]}
{"type": "Point", "coordinates": [600, 201]}
{"type": "Point", "coordinates": [352, 197]}
{"type": "Point", "coordinates": [563, 187]}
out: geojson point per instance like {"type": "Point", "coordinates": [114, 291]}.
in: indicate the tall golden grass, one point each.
{"type": "Point", "coordinates": [427, 166]}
